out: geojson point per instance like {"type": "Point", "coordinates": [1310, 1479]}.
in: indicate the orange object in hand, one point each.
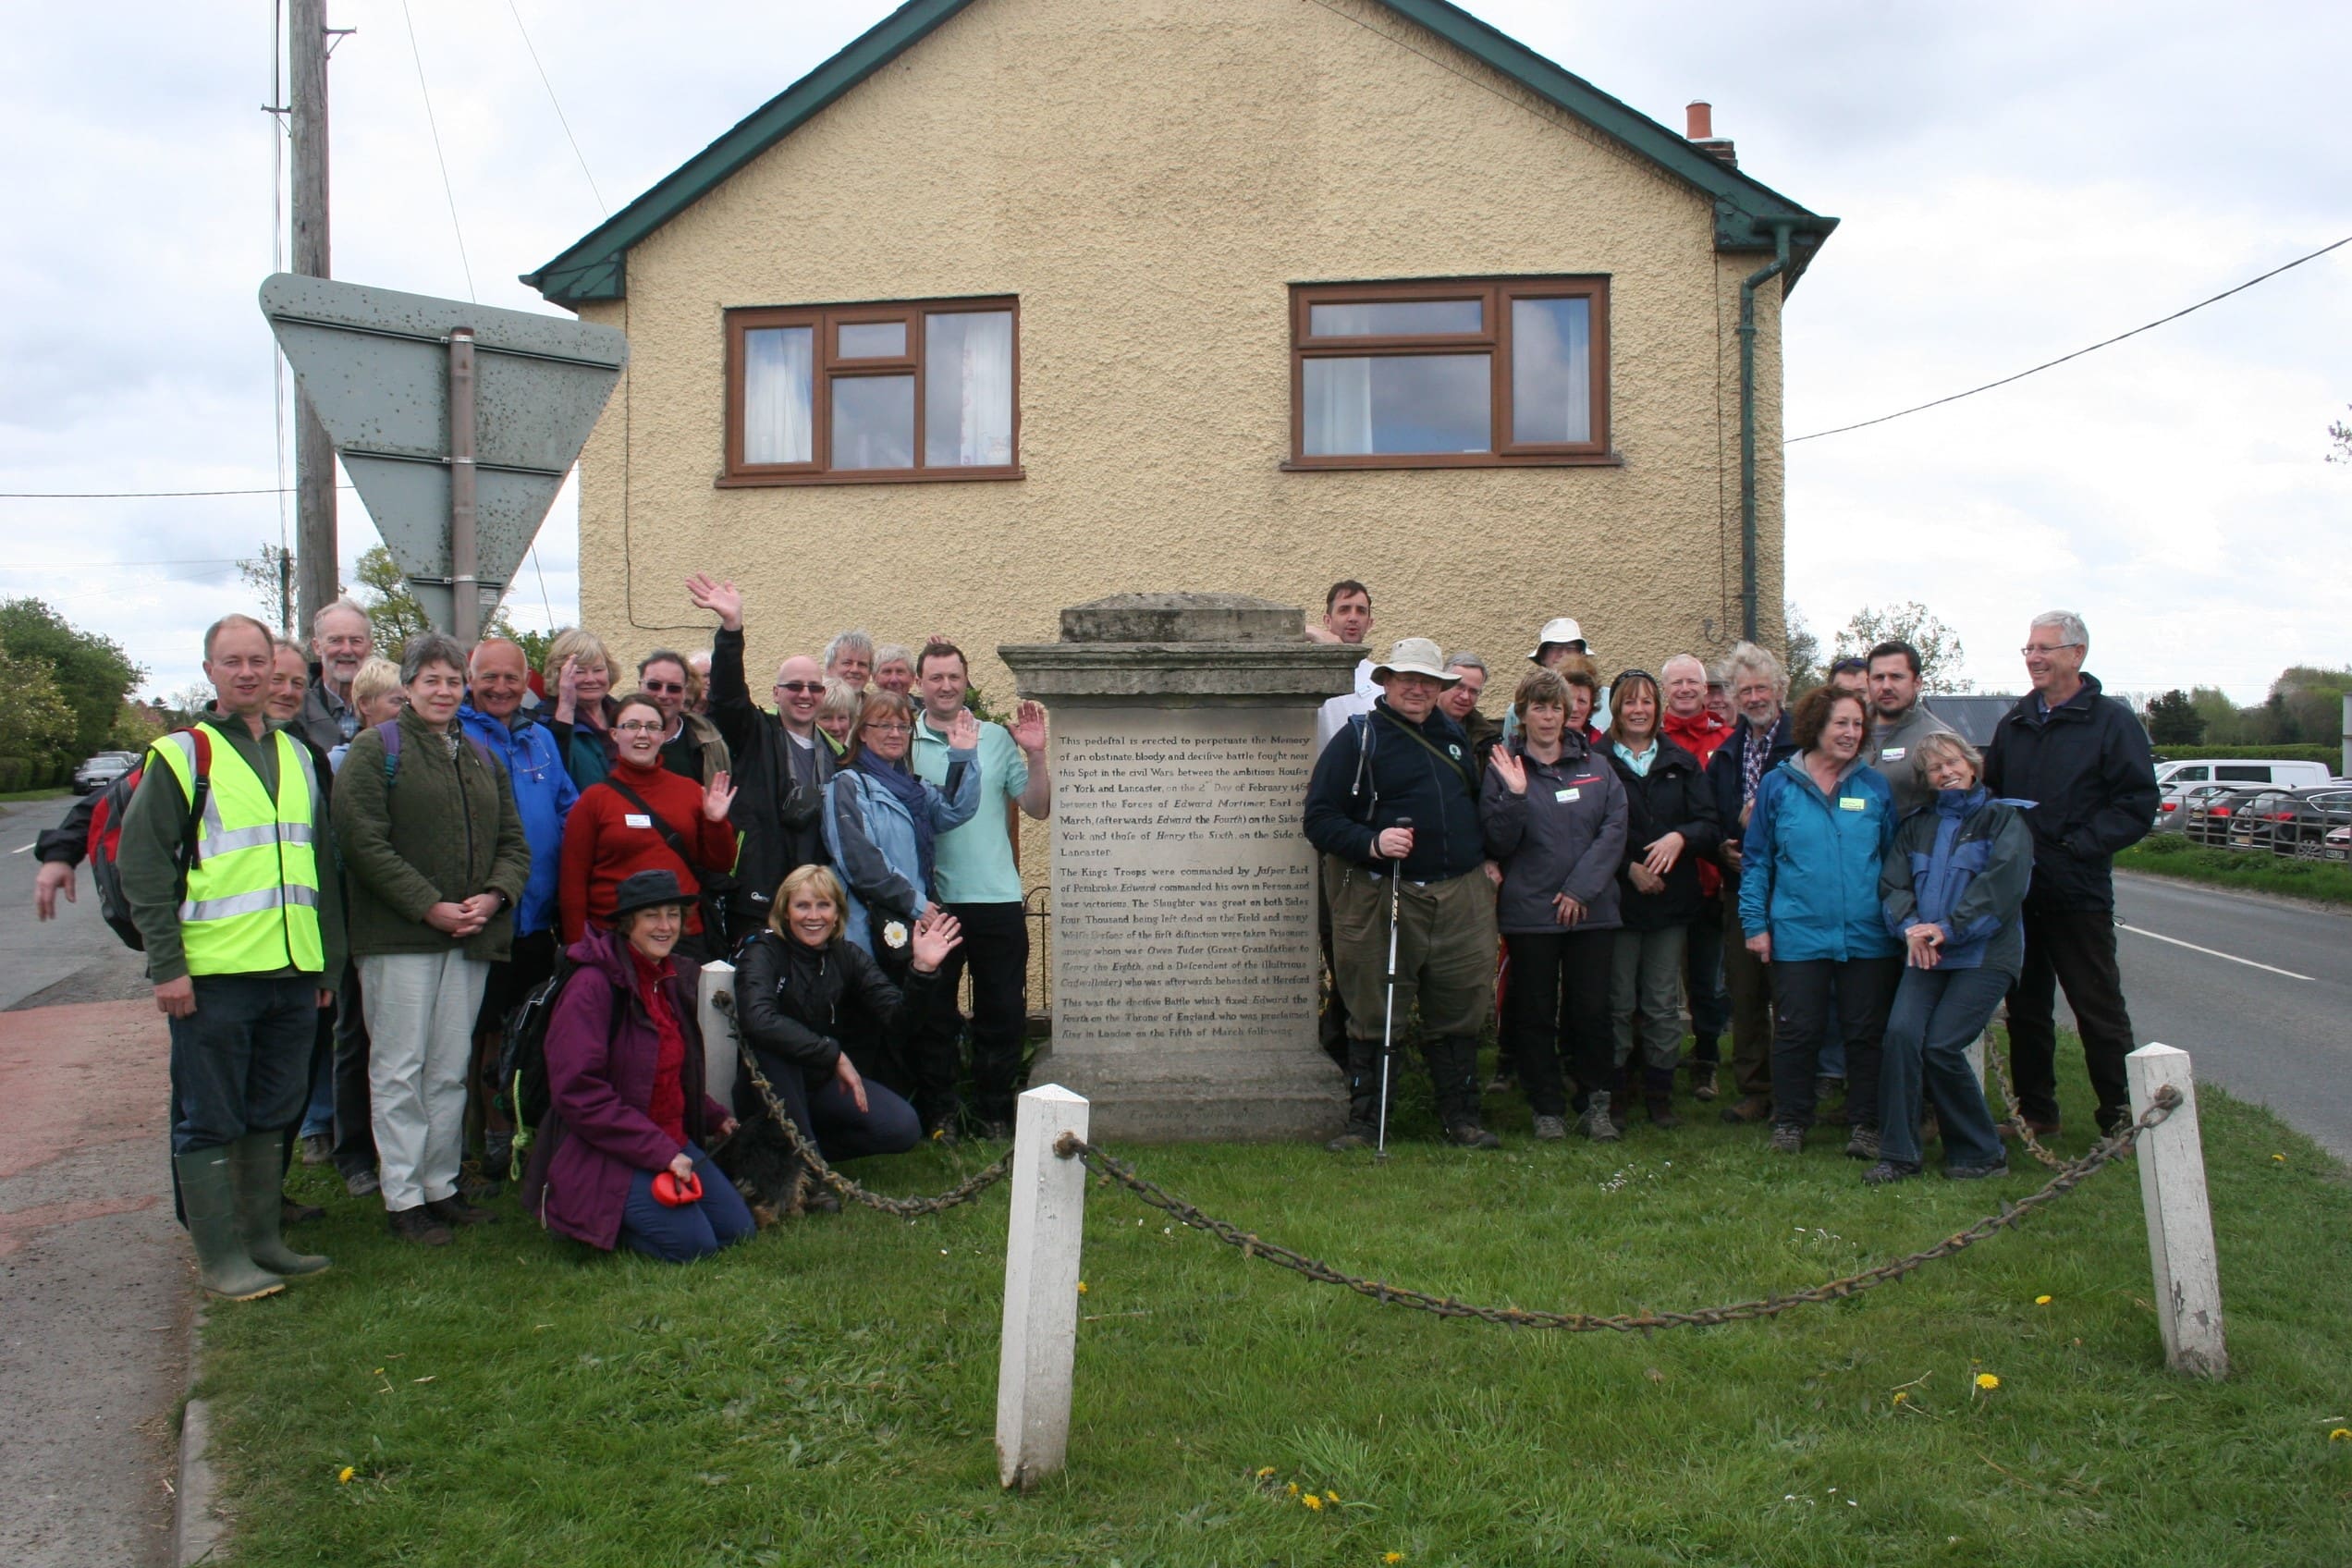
{"type": "Point", "coordinates": [671, 1193]}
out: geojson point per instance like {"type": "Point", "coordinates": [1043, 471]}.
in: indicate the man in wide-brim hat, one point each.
{"type": "Point", "coordinates": [1406, 761]}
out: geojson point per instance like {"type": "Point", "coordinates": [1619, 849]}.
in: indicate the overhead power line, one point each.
{"type": "Point", "coordinates": [2102, 343]}
{"type": "Point", "coordinates": [560, 119]}
{"type": "Point", "coordinates": [142, 494]}
{"type": "Point", "coordinates": [435, 127]}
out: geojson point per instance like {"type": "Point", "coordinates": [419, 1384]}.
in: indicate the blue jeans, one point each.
{"type": "Point", "coordinates": [318, 1116]}
{"type": "Point", "coordinates": [827, 1115]}
{"type": "Point", "coordinates": [696, 1230]}
{"type": "Point", "coordinates": [1937, 1014]}
{"type": "Point", "coordinates": [241, 1062]}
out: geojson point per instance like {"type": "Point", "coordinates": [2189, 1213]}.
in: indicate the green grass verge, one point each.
{"type": "Point", "coordinates": [2170, 855]}
{"type": "Point", "coordinates": [14, 796]}
{"type": "Point", "coordinates": [824, 1395]}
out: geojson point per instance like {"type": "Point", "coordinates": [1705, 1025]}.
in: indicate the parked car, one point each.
{"type": "Point", "coordinates": [2320, 816]}
{"type": "Point", "coordinates": [2208, 819]}
{"type": "Point", "coordinates": [2172, 812]}
{"type": "Point", "coordinates": [2172, 777]}
{"type": "Point", "coordinates": [2263, 819]}
{"type": "Point", "coordinates": [2337, 845]}
{"type": "Point", "coordinates": [95, 773]}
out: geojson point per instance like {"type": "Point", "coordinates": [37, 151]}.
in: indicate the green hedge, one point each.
{"type": "Point", "coordinates": [2331, 756]}
{"type": "Point", "coordinates": [26, 773]}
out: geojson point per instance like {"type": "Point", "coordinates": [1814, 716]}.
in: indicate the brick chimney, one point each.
{"type": "Point", "coordinates": [1700, 130]}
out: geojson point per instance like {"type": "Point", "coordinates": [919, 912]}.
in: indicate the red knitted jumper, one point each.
{"type": "Point", "coordinates": [666, 1108]}
{"type": "Point", "coordinates": [607, 839]}
{"type": "Point", "coordinates": [1699, 735]}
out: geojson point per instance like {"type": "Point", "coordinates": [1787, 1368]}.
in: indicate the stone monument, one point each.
{"type": "Point", "coordinates": [1184, 952]}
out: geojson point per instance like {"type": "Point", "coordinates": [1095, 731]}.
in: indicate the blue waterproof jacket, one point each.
{"type": "Point", "coordinates": [1964, 863]}
{"type": "Point", "coordinates": [544, 794]}
{"type": "Point", "coordinates": [1812, 863]}
{"type": "Point", "coordinates": [872, 841]}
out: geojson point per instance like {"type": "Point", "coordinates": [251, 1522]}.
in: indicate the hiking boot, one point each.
{"type": "Point", "coordinates": [1824, 1113]}
{"type": "Point", "coordinates": [1355, 1138]}
{"type": "Point", "coordinates": [820, 1199]}
{"type": "Point", "coordinates": [290, 1212]}
{"type": "Point", "coordinates": [1974, 1172]}
{"type": "Point", "coordinates": [1502, 1083]}
{"type": "Point", "coordinates": [1787, 1138]}
{"type": "Point", "coordinates": [1551, 1128]}
{"type": "Point", "coordinates": [455, 1210]}
{"type": "Point", "coordinates": [1470, 1135]}
{"type": "Point", "coordinates": [1660, 1108]}
{"type": "Point", "coordinates": [474, 1181]}
{"type": "Point", "coordinates": [1864, 1144]}
{"type": "Point", "coordinates": [1750, 1108]}
{"type": "Point", "coordinates": [261, 1208]}
{"type": "Point", "coordinates": [209, 1196]}
{"type": "Point", "coordinates": [419, 1226]}
{"type": "Point", "coordinates": [317, 1148]}
{"type": "Point", "coordinates": [362, 1183]}
{"type": "Point", "coordinates": [1930, 1129]}
{"type": "Point", "coordinates": [994, 1130]}
{"type": "Point", "coordinates": [1595, 1123]}
{"type": "Point", "coordinates": [1702, 1077]}
{"type": "Point", "coordinates": [1888, 1170]}
{"type": "Point", "coordinates": [2042, 1129]}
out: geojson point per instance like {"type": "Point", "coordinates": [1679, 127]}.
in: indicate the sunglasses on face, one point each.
{"type": "Point", "coordinates": [671, 686]}
{"type": "Point", "coordinates": [802, 687]}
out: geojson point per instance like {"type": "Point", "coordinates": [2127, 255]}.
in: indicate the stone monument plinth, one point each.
{"type": "Point", "coordinates": [1184, 951]}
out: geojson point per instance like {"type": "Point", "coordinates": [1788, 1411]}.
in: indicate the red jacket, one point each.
{"type": "Point", "coordinates": [1699, 735]}
{"type": "Point", "coordinates": [607, 839]}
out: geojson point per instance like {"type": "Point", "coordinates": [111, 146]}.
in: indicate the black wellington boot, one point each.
{"type": "Point", "coordinates": [1364, 1097]}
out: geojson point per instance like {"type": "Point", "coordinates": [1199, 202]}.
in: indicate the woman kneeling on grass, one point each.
{"type": "Point", "coordinates": [625, 1087]}
{"type": "Point", "coordinates": [1954, 887]}
{"type": "Point", "coordinates": [826, 1025]}
{"type": "Point", "coordinates": [1815, 838]}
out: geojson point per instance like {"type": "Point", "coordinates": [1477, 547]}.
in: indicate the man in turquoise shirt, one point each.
{"type": "Point", "coordinates": [977, 879]}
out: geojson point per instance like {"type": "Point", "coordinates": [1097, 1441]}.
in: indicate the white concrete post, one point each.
{"type": "Point", "coordinates": [1041, 1289]}
{"type": "Point", "coordinates": [2180, 1222]}
{"type": "Point", "coordinates": [718, 1033]}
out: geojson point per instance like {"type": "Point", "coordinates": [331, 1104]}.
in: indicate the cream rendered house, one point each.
{"type": "Point", "coordinates": [1017, 303]}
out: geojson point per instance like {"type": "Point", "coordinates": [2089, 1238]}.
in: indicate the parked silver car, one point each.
{"type": "Point", "coordinates": [96, 773]}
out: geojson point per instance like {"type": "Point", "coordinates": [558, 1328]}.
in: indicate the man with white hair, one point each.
{"type": "Point", "coordinates": [1756, 745]}
{"type": "Point", "coordinates": [849, 657]}
{"type": "Point", "coordinates": [342, 639]}
{"type": "Point", "coordinates": [2082, 759]}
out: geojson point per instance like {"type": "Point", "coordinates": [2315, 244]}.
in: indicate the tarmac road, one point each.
{"type": "Point", "coordinates": [74, 958]}
{"type": "Point", "coordinates": [2258, 991]}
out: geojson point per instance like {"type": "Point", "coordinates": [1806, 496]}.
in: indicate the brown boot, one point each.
{"type": "Point", "coordinates": [1750, 1108]}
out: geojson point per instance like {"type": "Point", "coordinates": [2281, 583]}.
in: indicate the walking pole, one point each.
{"type": "Point", "coordinates": [1388, 1011]}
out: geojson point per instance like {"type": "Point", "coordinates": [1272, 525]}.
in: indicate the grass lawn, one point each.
{"type": "Point", "coordinates": [12, 797]}
{"type": "Point", "coordinates": [826, 1394]}
{"type": "Point", "coordinates": [2327, 881]}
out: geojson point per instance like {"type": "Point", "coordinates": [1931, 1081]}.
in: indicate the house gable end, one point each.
{"type": "Point", "coordinates": [1747, 212]}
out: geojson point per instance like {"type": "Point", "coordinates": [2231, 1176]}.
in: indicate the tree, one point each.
{"type": "Point", "coordinates": [1941, 654]}
{"type": "Point", "coordinates": [2172, 719]}
{"type": "Point", "coordinates": [397, 615]}
{"type": "Point", "coordinates": [37, 725]}
{"type": "Point", "coordinates": [2340, 434]}
{"type": "Point", "coordinates": [90, 673]}
{"type": "Point", "coordinates": [271, 575]}
{"type": "Point", "coordinates": [1803, 660]}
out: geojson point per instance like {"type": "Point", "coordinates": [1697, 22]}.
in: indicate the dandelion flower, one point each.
{"type": "Point", "coordinates": [2042, 1300]}
{"type": "Point", "coordinates": [1081, 1287]}
{"type": "Point", "coordinates": [2280, 1157]}
{"type": "Point", "coordinates": [1313, 1501]}
{"type": "Point", "coordinates": [1291, 1488]}
{"type": "Point", "coordinates": [1987, 1381]}
{"type": "Point", "coordinates": [1902, 1396]}
{"type": "Point", "coordinates": [343, 1477]}
{"type": "Point", "coordinates": [2341, 1435]}
{"type": "Point", "coordinates": [1392, 1557]}
{"type": "Point", "coordinates": [1265, 1472]}
{"type": "Point", "coordinates": [1331, 1495]}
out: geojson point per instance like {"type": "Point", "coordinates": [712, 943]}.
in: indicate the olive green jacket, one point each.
{"type": "Point", "coordinates": [439, 831]}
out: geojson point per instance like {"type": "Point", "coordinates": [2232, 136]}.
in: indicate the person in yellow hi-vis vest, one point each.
{"type": "Point", "coordinates": [226, 863]}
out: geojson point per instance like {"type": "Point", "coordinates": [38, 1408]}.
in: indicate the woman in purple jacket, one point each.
{"type": "Point", "coordinates": [625, 1086]}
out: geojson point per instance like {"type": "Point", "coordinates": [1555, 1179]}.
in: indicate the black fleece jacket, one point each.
{"type": "Point", "coordinates": [2085, 766]}
{"type": "Point", "coordinates": [1423, 771]}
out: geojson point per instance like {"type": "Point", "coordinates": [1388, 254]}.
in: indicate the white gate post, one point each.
{"type": "Point", "coordinates": [2180, 1221]}
{"type": "Point", "coordinates": [1041, 1289]}
{"type": "Point", "coordinates": [718, 1033]}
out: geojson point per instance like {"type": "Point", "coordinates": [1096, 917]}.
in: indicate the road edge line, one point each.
{"type": "Point", "coordinates": [197, 1531]}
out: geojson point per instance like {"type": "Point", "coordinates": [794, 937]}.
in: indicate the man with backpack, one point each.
{"type": "Point", "coordinates": [225, 858]}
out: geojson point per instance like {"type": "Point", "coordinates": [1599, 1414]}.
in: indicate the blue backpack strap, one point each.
{"type": "Point", "coordinates": [390, 733]}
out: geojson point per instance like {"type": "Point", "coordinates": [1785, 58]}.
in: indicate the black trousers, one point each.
{"type": "Point", "coordinates": [1556, 1013]}
{"type": "Point", "coordinates": [2073, 947]}
{"type": "Point", "coordinates": [354, 1117]}
{"type": "Point", "coordinates": [1330, 1026]}
{"type": "Point", "coordinates": [996, 949]}
{"type": "Point", "coordinates": [1816, 1000]}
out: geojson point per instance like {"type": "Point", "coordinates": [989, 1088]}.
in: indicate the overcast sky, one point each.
{"type": "Point", "coordinates": [2016, 180]}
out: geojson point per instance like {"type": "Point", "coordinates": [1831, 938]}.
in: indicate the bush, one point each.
{"type": "Point", "coordinates": [16, 773]}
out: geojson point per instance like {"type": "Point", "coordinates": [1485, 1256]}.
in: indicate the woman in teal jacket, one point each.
{"type": "Point", "coordinates": [1812, 853]}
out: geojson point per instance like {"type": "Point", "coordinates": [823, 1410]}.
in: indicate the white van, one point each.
{"type": "Point", "coordinates": [2244, 773]}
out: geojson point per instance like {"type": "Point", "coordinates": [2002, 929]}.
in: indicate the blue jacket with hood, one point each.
{"type": "Point", "coordinates": [1811, 861]}
{"type": "Point", "coordinates": [1964, 863]}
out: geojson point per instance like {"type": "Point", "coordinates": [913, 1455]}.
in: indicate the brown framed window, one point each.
{"type": "Point", "coordinates": [844, 394]}
{"type": "Point", "coordinates": [1451, 373]}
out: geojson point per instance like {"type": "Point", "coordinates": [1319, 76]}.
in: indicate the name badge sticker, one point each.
{"type": "Point", "coordinates": [636, 819]}
{"type": "Point", "coordinates": [1567, 795]}
{"type": "Point", "coordinates": [1850, 803]}
{"type": "Point", "coordinates": [1893, 753]}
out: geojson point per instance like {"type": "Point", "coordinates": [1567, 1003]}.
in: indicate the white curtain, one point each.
{"type": "Point", "coordinates": [777, 391]}
{"type": "Point", "coordinates": [968, 363]}
{"type": "Point", "coordinates": [1552, 370]}
{"type": "Point", "coordinates": [1338, 420]}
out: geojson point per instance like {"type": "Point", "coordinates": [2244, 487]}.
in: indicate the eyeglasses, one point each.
{"type": "Point", "coordinates": [892, 726]}
{"type": "Point", "coordinates": [670, 686]}
{"type": "Point", "coordinates": [637, 727]}
{"type": "Point", "coordinates": [801, 686]}
{"type": "Point", "coordinates": [2043, 650]}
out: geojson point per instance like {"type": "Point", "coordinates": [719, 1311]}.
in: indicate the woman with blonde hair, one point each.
{"type": "Point", "coordinates": [579, 670]}
{"type": "Point", "coordinates": [828, 1030]}
{"type": "Point", "coordinates": [838, 715]}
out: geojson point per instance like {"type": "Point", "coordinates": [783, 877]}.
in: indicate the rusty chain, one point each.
{"type": "Point", "coordinates": [2015, 1120]}
{"type": "Point", "coordinates": [964, 1192]}
{"type": "Point", "coordinates": [1070, 1146]}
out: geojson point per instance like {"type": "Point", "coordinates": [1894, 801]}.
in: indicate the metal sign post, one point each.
{"type": "Point", "coordinates": [456, 422]}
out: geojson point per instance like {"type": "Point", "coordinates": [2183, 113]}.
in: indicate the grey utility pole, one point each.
{"type": "Point", "coordinates": [315, 551]}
